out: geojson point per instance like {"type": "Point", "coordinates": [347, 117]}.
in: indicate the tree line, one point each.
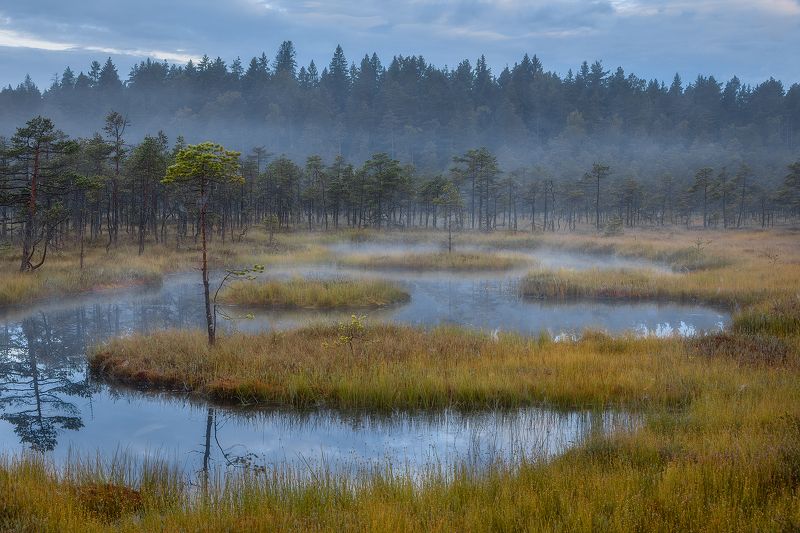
{"type": "Point", "coordinates": [417, 112]}
{"type": "Point", "coordinates": [55, 191]}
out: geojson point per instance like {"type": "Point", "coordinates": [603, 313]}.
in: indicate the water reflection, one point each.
{"type": "Point", "coordinates": [42, 366]}
{"type": "Point", "coordinates": [48, 401]}
{"type": "Point", "coordinates": [209, 439]}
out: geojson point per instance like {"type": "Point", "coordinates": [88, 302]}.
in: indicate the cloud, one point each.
{"type": "Point", "coordinates": [653, 38]}
{"type": "Point", "coordinates": [176, 56]}
{"type": "Point", "coordinates": [14, 39]}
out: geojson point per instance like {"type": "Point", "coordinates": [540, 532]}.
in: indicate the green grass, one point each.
{"type": "Point", "coordinates": [314, 294]}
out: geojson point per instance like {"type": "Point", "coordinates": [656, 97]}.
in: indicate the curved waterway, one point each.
{"type": "Point", "coordinates": [48, 402]}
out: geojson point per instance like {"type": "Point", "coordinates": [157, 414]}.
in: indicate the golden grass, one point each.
{"type": "Point", "coordinates": [758, 267]}
{"type": "Point", "coordinates": [61, 275]}
{"type": "Point", "coordinates": [314, 294]}
{"type": "Point", "coordinates": [719, 449]}
{"type": "Point", "coordinates": [729, 287]}
{"type": "Point", "coordinates": [403, 367]}
{"type": "Point", "coordinates": [122, 267]}
{"type": "Point", "coordinates": [681, 250]}
{"type": "Point", "coordinates": [455, 261]}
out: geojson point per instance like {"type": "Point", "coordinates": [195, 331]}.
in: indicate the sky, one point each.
{"type": "Point", "coordinates": [754, 39]}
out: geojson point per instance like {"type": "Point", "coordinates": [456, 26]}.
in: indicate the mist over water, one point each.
{"type": "Point", "coordinates": [68, 412]}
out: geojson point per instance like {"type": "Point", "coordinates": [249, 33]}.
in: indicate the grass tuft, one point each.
{"type": "Point", "coordinates": [109, 501]}
{"type": "Point", "coordinates": [751, 349]}
{"type": "Point", "coordinates": [778, 317]}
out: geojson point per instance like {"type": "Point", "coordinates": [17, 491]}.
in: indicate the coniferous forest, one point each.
{"type": "Point", "coordinates": [424, 114]}
{"type": "Point", "coordinates": [359, 145]}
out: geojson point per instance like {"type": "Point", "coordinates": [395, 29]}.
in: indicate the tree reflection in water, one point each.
{"type": "Point", "coordinates": [42, 368]}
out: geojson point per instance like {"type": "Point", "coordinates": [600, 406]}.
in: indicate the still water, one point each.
{"type": "Point", "coordinates": [48, 402]}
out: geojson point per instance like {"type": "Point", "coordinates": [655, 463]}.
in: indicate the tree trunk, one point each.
{"type": "Point", "coordinates": [449, 232]}
{"type": "Point", "coordinates": [209, 315]}
{"type": "Point", "coordinates": [597, 205]}
{"type": "Point", "coordinates": [30, 216]}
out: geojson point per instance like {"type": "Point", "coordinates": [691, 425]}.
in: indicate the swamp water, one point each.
{"type": "Point", "coordinates": [48, 402]}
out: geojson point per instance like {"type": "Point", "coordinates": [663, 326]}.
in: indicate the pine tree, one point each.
{"type": "Point", "coordinates": [285, 61]}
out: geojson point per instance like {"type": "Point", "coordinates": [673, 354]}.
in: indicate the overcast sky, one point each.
{"type": "Point", "coordinates": [754, 39]}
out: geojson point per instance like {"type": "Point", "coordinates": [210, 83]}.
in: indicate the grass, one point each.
{"type": "Point", "coordinates": [718, 449]}
{"type": "Point", "coordinates": [683, 251]}
{"type": "Point", "coordinates": [61, 276]}
{"type": "Point", "coordinates": [758, 279]}
{"type": "Point", "coordinates": [314, 294]}
{"type": "Point", "coordinates": [741, 284]}
{"type": "Point", "coordinates": [778, 316]}
{"type": "Point", "coordinates": [122, 267]}
{"type": "Point", "coordinates": [456, 261]}
{"type": "Point", "coordinates": [401, 367]}
{"type": "Point", "coordinates": [683, 256]}
{"type": "Point", "coordinates": [689, 476]}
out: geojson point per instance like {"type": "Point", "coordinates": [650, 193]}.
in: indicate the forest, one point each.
{"type": "Point", "coordinates": [423, 115]}
{"type": "Point", "coordinates": [53, 187]}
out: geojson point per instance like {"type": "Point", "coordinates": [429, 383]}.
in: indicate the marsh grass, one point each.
{"type": "Point", "coordinates": [397, 367]}
{"type": "Point", "coordinates": [682, 251]}
{"type": "Point", "coordinates": [733, 286]}
{"type": "Point", "coordinates": [662, 479]}
{"type": "Point", "coordinates": [778, 316]}
{"type": "Point", "coordinates": [456, 261]}
{"type": "Point", "coordinates": [61, 276]}
{"type": "Point", "coordinates": [719, 448]}
{"type": "Point", "coordinates": [314, 294]}
{"type": "Point", "coordinates": [122, 267]}
{"type": "Point", "coordinates": [683, 257]}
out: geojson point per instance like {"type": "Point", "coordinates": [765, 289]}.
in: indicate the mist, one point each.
{"type": "Point", "coordinates": [424, 115]}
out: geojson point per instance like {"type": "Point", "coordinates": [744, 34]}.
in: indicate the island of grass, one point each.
{"type": "Point", "coordinates": [455, 261]}
{"type": "Point", "coordinates": [393, 367]}
{"type": "Point", "coordinates": [298, 293]}
{"type": "Point", "coordinates": [731, 286]}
